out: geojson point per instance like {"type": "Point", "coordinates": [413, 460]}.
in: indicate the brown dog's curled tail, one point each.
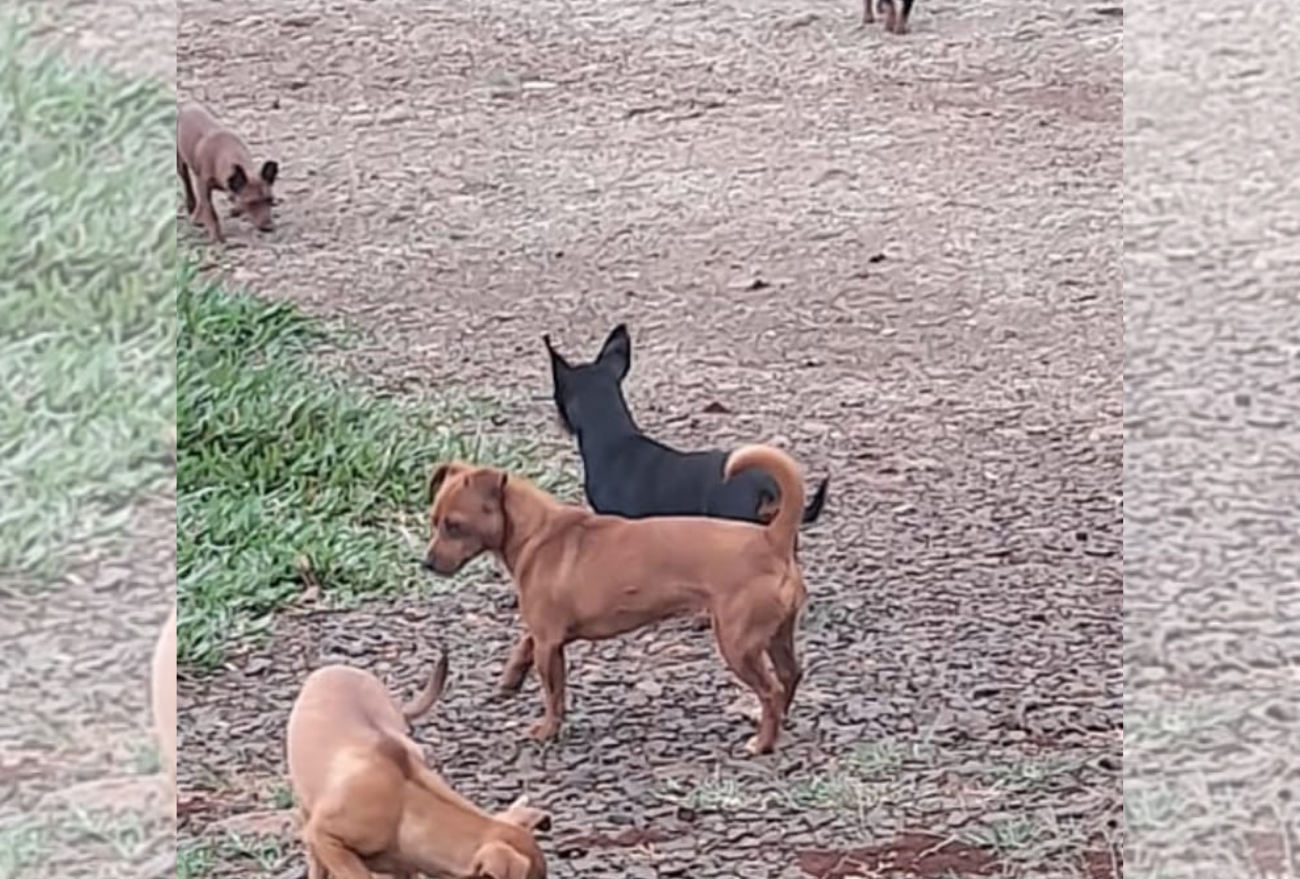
{"type": "Point", "coordinates": [432, 690]}
{"type": "Point", "coordinates": [784, 526]}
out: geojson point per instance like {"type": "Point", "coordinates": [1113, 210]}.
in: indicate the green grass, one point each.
{"type": "Point", "coordinates": [194, 860]}
{"type": "Point", "coordinates": [87, 269]}
{"type": "Point", "coordinates": [23, 844]}
{"type": "Point", "coordinates": [289, 477]}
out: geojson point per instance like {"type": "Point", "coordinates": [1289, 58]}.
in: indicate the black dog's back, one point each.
{"type": "Point", "coordinates": [629, 474]}
{"type": "Point", "coordinates": [652, 480]}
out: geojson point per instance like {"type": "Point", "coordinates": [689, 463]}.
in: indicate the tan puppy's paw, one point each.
{"type": "Point", "coordinates": [523, 813]}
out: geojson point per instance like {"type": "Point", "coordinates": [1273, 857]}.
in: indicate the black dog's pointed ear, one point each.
{"type": "Point", "coordinates": [439, 476]}
{"type": "Point", "coordinates": [270, 171]}
{"type": "Point", "coordinates": [237, 180]}
{"type": "Point", "coordinates": [616, 353]}
{"type": "Point", "coordinates": [557, 359]}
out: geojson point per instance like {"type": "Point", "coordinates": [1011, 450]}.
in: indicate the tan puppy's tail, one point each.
{"type": "Point", "coordinates": [784, 526]}
{"type": "Point", "coordinates": [432, 690]}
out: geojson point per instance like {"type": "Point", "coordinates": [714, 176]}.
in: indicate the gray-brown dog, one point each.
{"type": "Point", "coordinates": [584, 576]}
{"type": "Point", "coordinates": [369, 802]}
{"type": "Point", "coordinates": [210, 158]}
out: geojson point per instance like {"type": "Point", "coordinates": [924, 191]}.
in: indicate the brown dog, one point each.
{"type": "Point", "coordinates": [163, 699]}
{"type": "Point", "coordinates": [584, 576]}
{"type": "Point", "coordinates": [369, 802]}
{"type": "Point", "coordinates": [895, 13]}
{"type": "Point", "coordinates": [211, 157]}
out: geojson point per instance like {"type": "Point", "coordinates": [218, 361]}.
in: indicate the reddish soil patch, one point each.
{"type": "Point", "coordinates": [1270, 851]}
{"type": "Point", "coordinates": [1103, 863]}
{"type": "Point", "coordinates": [921, 855]}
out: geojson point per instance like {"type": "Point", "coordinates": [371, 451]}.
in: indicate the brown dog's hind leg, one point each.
{"type": "Point", "coordinates": [517, 667]}
{"type": "Point", "coordinates": [750, 666]}
{"type": "Point", "coordinates": [549, 660]}
{"type": "Point", "coordinates": [785, 661]}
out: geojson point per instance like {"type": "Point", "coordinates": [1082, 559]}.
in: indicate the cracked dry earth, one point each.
{"type": "Point", "coordinates": [900, 258]}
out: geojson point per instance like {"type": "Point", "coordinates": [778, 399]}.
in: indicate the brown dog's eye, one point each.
{"type": "Point", "coordinates": [453, 529]}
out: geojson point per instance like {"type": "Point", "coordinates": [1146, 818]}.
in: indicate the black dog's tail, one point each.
{"type": "Point", "coordinates": [814, 508]}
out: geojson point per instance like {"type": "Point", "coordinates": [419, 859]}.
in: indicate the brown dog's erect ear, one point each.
{"type": "Point", "coordinates": [439, 476]}
{"type": "Point", "coordinates": [237, 180]}
{"type": "Point", "coordinates": [521, 814]}
{"type": "Point", "coordinates": [496, 860]}
{"type": "Point", "coordinates": [491, 481]}
{"type": "Point", "coordinates": [270, 170]}
{"type": "Point", "coordinates": [616, 353]}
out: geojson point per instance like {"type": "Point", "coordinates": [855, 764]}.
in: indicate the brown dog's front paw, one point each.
{"type": "Point", "coordinates": [758, 745]}
{"type": "Point", "coordinates": [545, 729]}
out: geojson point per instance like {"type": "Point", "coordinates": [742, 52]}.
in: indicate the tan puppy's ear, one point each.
{"type": "Point", "coordinates": [521, 814]}
{"type": "Point", "coordinates": [440, 474]}
{"type": "Point", "coordinates": [496, 860]}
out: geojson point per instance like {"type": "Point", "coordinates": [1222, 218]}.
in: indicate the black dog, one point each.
{"type": "Point", "coordinates": [628, 474]}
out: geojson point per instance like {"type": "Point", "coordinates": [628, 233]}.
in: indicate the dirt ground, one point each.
{"type": "Point", "coordinates": [901, 258]}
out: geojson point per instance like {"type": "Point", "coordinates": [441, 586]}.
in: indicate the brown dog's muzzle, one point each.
{"type": "Point", "coordinates": [440, 567]}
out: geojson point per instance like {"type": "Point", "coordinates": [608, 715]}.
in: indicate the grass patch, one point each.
{"type": "Point", "coordinates": [145, 759]}
{"type": "Point", "coordinates": [1010, 837]}
{"type": "Point", "coordinates": [195, 860]}
{"type": "Point", "coordinates": [267, 853]}
{"type": "Point", "coordinates": [837, 791]}
{"type": "Point", "coordinates": [87, 268]}
{"type": "Point", "coordinates": [23, 845]}
{"type": "Point", "coordinates": [1032, 772]}
{"type": "Point", "coordinates": [281, 796]}
{"type": "Point", "coordinates": [714, 793]}
{"type": "Point", "coordinates": [290, 478]}
{"type": "Point", "coordinates": [125, 836]}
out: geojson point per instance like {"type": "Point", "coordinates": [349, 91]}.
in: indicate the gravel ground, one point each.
{"type": "Point", "coordinates": [899, 257]}
{"type": "Point", "coordinates": [1212, 451]}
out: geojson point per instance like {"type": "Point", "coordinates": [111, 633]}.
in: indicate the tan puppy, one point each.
{"type": "Point", "coordinates": [583, 576]}
{"type": "Point", "coordinates": [210, 158]}
{"type": "Point", "coordinates": [369, 803]}
{"type": "Point", "coordinates": [163, 699]}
